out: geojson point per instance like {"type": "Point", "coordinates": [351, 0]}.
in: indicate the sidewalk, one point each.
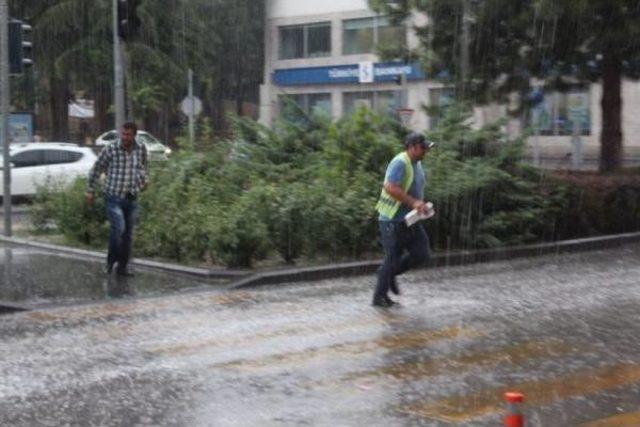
{"type": "Point", "coordinates": [51, 274]}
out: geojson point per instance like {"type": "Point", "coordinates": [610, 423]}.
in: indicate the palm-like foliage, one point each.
{"type": "Point", "coordinates": [218, 39]}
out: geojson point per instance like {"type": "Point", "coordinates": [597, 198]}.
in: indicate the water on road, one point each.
{"type": "Point", "coordinates": [561, 329]}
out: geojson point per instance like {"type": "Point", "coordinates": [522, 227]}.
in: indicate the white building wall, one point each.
{"type": "Point", "coordinates": [292, 8]}
{"type": "Point", "coordinates": [297, 12]}
{"type": "Point", "coordinates": [292, 12]}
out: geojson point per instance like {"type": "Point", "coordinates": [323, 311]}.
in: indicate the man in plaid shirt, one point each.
{"type": "Point", "coordinates": [125, 164]}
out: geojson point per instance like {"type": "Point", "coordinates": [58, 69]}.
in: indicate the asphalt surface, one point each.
{"type": "Point", "coordinates": [38, 278]}
{"type": "Point", "coordinates": [561, 329]}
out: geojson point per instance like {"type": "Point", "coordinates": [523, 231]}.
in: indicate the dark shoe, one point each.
{"type": "Point", "coordinates": [394, 286]}
{"type": "Point", "coordinates": [124, 273]}
{"type": "Point", "coordinates": [107, 269]}
{"type": "Point", "coordinates": [390, 301]}
{"type": "Point", "coordinates": [385, 302]}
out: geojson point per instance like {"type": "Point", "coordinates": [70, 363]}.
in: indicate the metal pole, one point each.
{"type": "Point", "coordinates": [576, 141]}
{"type": "Point", "coordinates": [464, 45]}
{"type": "Point", "coordinates": [404, 96]}
{"type": "Point", "coordinates": [5, 100]}
{"type": "Point", "coordinates": [536, 136]}
{"type": "Point", "coordinates": [118, 71]}
{"type": "Point", "coordinates": [192, 108]}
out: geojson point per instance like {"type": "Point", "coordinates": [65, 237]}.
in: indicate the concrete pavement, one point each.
{"type": "Point", "coordinates": [560, 328]}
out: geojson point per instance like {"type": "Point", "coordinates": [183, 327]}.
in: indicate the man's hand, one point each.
{"type": "Point", "coordinates": [420, 206]}
{"type": "Point", "coordinates": [90, 198]}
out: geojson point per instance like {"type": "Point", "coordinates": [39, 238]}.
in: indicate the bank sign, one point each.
{"type": "Point", "coordinates": [364, 72]}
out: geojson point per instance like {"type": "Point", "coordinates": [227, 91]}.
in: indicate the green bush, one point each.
{"type": "Point", "coordinates": [309, 187]}
{"type": "Point", "coordinates": [239, 237]}
{"type": "Point", "coordinates": [68, 210]}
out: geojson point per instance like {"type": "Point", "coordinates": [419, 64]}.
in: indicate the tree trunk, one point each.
{"type": "Point", "coordinates": [59, 104]}
{"type": "Point", "coordinates": [611, 135]}
{"type": "Point", "coordinates": [101, 108]}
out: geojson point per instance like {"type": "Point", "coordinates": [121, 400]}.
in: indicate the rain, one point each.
{"type": "Point", "coordinates": [206, 212]}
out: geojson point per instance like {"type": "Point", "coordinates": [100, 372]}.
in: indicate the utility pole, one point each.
{"type": "Point", "coordinates": [464, 48]}
{"type": "Point", "coordinates": [5, 100]}
{"type": "Point", "coordinates": [118, 70]}
{"type": "Point", "coordinates": [192, 109]}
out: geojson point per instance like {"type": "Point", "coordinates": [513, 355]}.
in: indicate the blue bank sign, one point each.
{"type": "Point", "coordinates": [343, 74]}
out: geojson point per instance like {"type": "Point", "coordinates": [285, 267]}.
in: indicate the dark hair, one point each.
{"type": "Point", "coordinates": [130, 125]}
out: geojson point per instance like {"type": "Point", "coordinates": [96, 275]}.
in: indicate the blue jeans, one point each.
{"type": "Point", "coordinates": [122, 214]}
{"type": "Point", "coordinates": [404, 248]}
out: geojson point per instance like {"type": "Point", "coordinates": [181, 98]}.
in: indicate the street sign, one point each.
{"type": "Point", "coordinates": [191, 105]}
{"type": "Point", "coordinates": [365, 72]}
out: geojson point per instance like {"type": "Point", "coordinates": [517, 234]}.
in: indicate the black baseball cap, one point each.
{"type": "Point", "coordinates": [415, 138]}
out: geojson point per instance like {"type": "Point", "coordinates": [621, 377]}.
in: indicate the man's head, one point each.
{"type": "Point", "coordinates": [417, 145]}
{"type": "Point", "coordinates": [128, 134]}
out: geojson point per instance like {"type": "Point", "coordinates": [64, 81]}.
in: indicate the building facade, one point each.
{"type": "Point", "coordinates": [320, 56]}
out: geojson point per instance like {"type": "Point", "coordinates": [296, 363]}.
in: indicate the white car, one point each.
{"type": "Point", "coordinates": [156, 149]}
{"type": "Point", "coordinates": [39, 163]}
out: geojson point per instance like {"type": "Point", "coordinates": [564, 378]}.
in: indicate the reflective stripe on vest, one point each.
{"type": "Point", "coordinates": [387, 205]}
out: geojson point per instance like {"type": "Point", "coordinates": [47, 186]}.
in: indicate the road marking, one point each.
{"type": "Point", "coordinates": [538, 393]}
{"type": "Point", "coordinates": [513, 355]}
{"type": "Point", "coordinates": [631, 419]}
{"type": "Point", "coordinates": [414, 339]}
{"type": "Point", "coordinates": [192, 347]}
{"type": "Point", "coordinates": [235, 298]}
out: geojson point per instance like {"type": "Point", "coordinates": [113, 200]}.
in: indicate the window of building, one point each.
{"type": "Point", "coordinates": [387, 101]}
{"type": "Point", "coordinates": [294, 106]}
{"type": "Point", "coordinates": [362, 35]}
{"type": "Point", "coordinates": [559, 112]}
{"type": "Point", "coordinates": [305, 41]}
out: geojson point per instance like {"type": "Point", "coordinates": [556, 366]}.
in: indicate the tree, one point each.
{"type": "Point", "coordinates": [220, 40]}
{"type": "Point", "coordinates": [512, 41]}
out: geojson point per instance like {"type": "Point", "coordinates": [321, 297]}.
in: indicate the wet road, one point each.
{"type": "Point", "coordinates": [561, 329]}
{"type": "Point", "coordinates": [37, 278]}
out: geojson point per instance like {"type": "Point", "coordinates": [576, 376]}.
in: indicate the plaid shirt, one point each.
{"type": "Point", "coordinates": [127, 171]}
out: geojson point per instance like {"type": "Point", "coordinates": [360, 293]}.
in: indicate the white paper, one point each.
{"type": "Point", "coordinates": [415, 216]}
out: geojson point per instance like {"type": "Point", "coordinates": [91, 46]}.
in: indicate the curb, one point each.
{"type": "Point", "coordinates": [11, 307]}
{"type": "Point", "coordinates": [244, 279]}
{"type": "Point", "coordinates": [99, 255]}
{"type": "Point", "coordinates": [438, 260]}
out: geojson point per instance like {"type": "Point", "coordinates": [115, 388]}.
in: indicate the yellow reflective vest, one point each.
{"type": "Point", "coordinates": [387, 205]}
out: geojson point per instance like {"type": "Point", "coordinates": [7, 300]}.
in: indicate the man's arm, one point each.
{"type": "Point", "coordinates": [143, 167]}
{"type": "Point", "coordinates": [400, 195]}
{"type": "Point", "coordinates": [98, 168]}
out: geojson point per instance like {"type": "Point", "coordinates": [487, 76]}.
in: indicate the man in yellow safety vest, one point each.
{"type": "Point", "coordinates": [403, 190]}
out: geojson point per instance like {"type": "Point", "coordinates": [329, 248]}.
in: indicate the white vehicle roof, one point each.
{"type": "Point", "coordinates": [20, 145]}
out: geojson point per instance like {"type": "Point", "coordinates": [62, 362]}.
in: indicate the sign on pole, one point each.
{"type": "Point", "coordinates": [191, 105]}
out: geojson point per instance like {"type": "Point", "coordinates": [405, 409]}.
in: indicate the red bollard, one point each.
{"type": "Point", "coordinates": [514, 416]}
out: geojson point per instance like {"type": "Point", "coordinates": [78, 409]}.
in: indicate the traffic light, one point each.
{"type": "Point", "coordinates": [20, 47]}
{"type": "Point", "coordinates": [128, 20]}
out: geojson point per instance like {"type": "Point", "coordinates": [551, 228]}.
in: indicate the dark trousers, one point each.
{"type": "Point", "coordinates": [404, 248]}
{"type": "Point", "coordinates": [122, 214]}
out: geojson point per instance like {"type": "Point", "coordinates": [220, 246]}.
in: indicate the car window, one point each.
{"type": "Point", "coordinates": [28, 158]}
{"type": "Point", "coordinates": [144, 139]}
{"type": "Point", "coordinates": [55, 157]}
{"type": "Point", "coordinates": [110, 136]}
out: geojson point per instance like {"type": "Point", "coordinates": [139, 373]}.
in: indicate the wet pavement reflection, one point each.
{"type": "Point", "coordinates": [37, 278]}
{"type": "Point", "coordinates": [561, 329]}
